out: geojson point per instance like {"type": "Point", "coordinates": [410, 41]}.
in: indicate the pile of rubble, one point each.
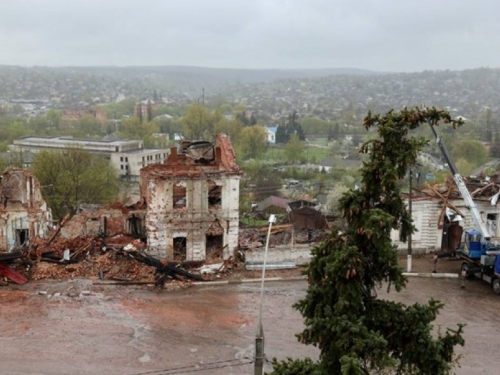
{"type": "Point", "coordinates": [120, 258]}
{"type": "Point", "coordinates": [254, 237]}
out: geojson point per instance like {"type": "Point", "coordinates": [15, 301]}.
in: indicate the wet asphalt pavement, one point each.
{"type": "Point", "coordinates": [201, 330]}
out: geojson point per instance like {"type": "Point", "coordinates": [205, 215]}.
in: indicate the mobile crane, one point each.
{"type": "Point", "coordinates": [480, 256]}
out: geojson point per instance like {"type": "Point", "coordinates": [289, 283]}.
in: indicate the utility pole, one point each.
{"type": "Point", "coordinates": [203, 97]}
{"type": "Point", "coordinates": [408, 261]}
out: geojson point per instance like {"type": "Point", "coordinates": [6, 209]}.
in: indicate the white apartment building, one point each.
{"type": "Point", "coordinates": [128, 157]}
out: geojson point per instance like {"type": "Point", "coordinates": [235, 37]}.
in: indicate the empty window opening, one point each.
{"type": "Point", "coordinates": [22, 237]}
{"type": "Point", "coordinates": [134, 226]}
{"type": "Point", "coordinates": [179, 195]}
{"type": "Point", "coordinates": [214, 240]}
{"type": "Point", "coordinates": [180, 249]}
{"type": "Point", "coordinates": [214, 195]}
{"type": "Point", "coordinates": [214, 246]}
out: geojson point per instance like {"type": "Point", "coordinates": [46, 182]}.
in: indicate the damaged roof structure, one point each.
{"type": "Point", "coordinates": [432, 205]}
{"type": "Point", "coordinates": [192, 201]}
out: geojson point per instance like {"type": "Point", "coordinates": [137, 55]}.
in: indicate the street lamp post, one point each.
{"type": "Point", "coordinates": [410, 250]}
{"type": "Point", "coordinates": [259, 337]}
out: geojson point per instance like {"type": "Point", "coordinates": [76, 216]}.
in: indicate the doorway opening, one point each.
{"type": "Point", "coordinates": [180, 249]}
{"type": "Point", "coordinates": [134, 227]}
{"type": "Point", "coordinates": [22, 237]}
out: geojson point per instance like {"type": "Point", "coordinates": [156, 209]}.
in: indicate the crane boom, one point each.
{"type": "Point", "coordinates": [469, 202]}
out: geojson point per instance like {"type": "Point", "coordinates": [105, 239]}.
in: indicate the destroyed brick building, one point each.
{"type": "Point", "coordinates": [192, 201]}
{"type": "Point", "coordinates": [23, 213]}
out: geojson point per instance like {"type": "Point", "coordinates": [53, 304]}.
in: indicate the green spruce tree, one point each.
{"type": "Point", "coordinates": [357, 333]}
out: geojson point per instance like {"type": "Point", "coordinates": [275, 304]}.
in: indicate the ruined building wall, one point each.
{"type": "Point", "coordinates": [23, 212]}
{"type": "Point", "coordinates": [192, 201]}
{"type": "Point", "coordinates": [168, 225]}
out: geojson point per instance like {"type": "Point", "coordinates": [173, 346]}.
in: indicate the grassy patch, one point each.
{"type": "Point", "coordinates": [276, 154]}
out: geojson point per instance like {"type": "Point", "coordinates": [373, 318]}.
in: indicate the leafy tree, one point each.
{"type": "Point", "coordinates": [472, 151]}
{"type": "Point", "coordinates": [356, 332]}
{"type": "Point", "coordinates": [53, 118]}
{"type": "Point", "coordinates": [334, 196]}
{"type": "Point", "coordinates": [133, 128]}
{"type": "Point", "coordinates": [88, 126]}
{"type": "Point", "coordinates": [331, 133]}
{"type": "Point", "coordinates": [294, 126]}
{"type": "Point", "coordinates": [14, 159]}
{"type": "Point", "coordinates": [465, 168]}
{"type": "Point", "coordinates": [197, 123]}
{"type": "Point", "coordinates": [119, 109]}
{"type": "Point", "coordinates": [281, 134]}
{"type": "Point", "coordinates": [253, 142]}
{"type": "Point", "coordinates": [288, 127]}
{"type": "Point", "coordinates": [316, 125]}
{"type": "Point", "coordinates": [231, 127]}
{"type": "Point", "coordinates": [335, 148]}
{"type": "Point", "coordinates": [74, 176]}
{"type": "Point", "coordinates": [294, 149]}
{"type": "Point", "coordinates": [14, 129]}
{"type": "Point", "coordinates": [245, 119]}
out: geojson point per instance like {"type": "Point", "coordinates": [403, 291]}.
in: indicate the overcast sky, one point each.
{"type": "Point", "coordinates": [381, 35]}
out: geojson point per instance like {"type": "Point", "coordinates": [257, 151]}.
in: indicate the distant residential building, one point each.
{"type": "Point", "coordinates": [128, 157]}
{"type": "Point", "coordinates": [165, 116]}
{"type": "Point", "coordinates": [271, 134]}
{"type": "Point", "coordinates": [70, 115]}
{"type": "Point", "coordinates": [178, 137]}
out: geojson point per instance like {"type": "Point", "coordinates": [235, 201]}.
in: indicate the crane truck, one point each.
{"type": "Point", "coordinates": [480, 256]}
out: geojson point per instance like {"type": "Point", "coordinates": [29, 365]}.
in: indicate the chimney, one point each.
{"type": "Point", "coordinates": [173, 155]}
{"type": "Point", "coordinates": [218, 155]}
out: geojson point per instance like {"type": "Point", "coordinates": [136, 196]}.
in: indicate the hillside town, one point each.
{"type": "Point", "coordinates": [249, 187]}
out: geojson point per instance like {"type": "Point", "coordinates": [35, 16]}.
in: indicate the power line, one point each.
{"type": "Point", "coordinates": [196, 367]}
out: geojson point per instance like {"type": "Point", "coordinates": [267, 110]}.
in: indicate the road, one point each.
{"type": "Point", "coordinates": [125, 331]}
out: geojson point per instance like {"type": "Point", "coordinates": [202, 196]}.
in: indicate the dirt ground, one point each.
{"type": "Point", "coordinates": [77, 327]}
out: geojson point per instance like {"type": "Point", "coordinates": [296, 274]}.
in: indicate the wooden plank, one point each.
{"type": "Point", "coordinates": [10, 256]}
{"type": "Point", "coordinates": [443, 209]}
{"type": "Point", "coordinates": [480, 190]}
{"type": "Point", "coordinates": [452, 206]}
{"type": "Point", "coordinates": [12, 275]}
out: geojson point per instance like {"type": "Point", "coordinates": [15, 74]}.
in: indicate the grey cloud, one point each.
{"type": "Point", "coordinates": [381, 35]}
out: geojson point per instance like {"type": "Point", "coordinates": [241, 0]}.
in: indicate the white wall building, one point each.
{"type": "Point", "coordinates": [271, 134]}
{"type": "Point", "coordinates": [425, 215]}
{"type": "Point", "coordinates": [128, 157]}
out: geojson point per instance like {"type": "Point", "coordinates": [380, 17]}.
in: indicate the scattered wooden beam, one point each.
{"type": "Point", "coordinates": [276, 227]}
{"type": "Point", "coordinates": [11, 255]}
{"type": "Point", "coordinates": [451, 205]}
{"type": "Point", "coordinates": [480, 190]}
{"type": "Point", "coordinates": [443, 209]}
{"type": "Point", "coordinates": [165, 270]}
